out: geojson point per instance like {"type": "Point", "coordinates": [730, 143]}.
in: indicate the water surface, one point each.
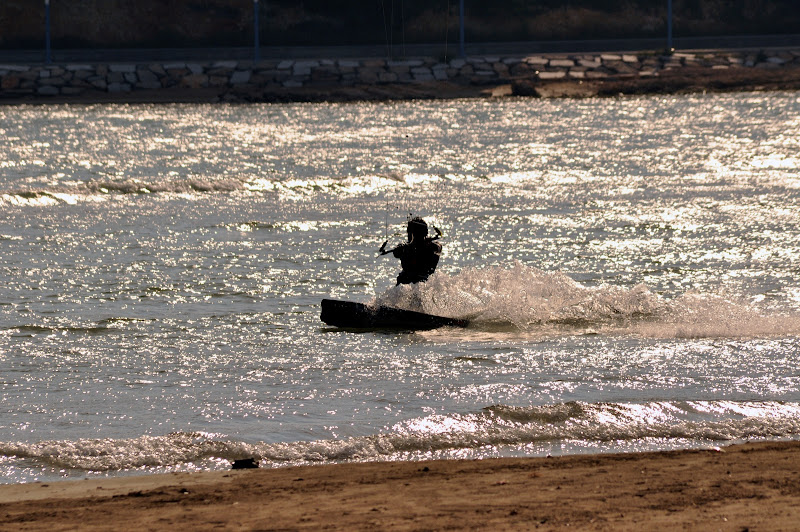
{"type": "Point", "coordinates": [630, 266]}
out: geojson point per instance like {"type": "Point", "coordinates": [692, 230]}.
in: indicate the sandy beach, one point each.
{"type": "Point", "coordinates": [742, 487]}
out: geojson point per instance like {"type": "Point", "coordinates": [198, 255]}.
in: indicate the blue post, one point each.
{"type": "Point", "coordinates": [256, 44]}
{"type": "Point", "coordinates": [47, 58]}
{"type": "Point", "coordinates": [669, 25]}
{"type": "Point", "coordinates": [461, 51]}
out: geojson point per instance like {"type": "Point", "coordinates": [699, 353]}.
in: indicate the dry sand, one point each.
{"type": "Point", "coordinates": [744, 487]}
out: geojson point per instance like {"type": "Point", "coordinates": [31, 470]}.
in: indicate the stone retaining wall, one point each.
{"type": "Point", "coordinates": [229, 76]}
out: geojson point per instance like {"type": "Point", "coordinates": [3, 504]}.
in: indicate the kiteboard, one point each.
{"type": "Point", "coordinates": [351, 315]}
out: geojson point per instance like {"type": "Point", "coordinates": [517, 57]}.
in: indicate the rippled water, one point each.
{"type": "Point", "coordinates": [630, 267]}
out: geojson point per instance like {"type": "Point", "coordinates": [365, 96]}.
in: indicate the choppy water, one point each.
{"type": "Point", "coordinates": [631, 267]}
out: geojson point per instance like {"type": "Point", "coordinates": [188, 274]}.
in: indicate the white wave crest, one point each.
{"type": "Point", "coordinates": [487, 432]}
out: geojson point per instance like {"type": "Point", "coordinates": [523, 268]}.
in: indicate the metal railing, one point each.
{"type": "Point", "coordinates": [257, 52]}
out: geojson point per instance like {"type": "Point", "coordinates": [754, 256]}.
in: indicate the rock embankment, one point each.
{"type": "Point", "coordinates": [359, 78]}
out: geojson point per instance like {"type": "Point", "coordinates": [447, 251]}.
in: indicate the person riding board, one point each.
{"type": "Point", "coordinates": [419, 256]}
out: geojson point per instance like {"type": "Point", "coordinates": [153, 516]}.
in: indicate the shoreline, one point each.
{"type": "Point", "coordinates": [746, 486]}
{"type": "Point", "coordinates": [355, 80]}
{"type": "Point", "coordinates": [700, 81]}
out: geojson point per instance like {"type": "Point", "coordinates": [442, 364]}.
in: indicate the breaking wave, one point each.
{"type": "Point", "coordinates": [92, 190]}
{"type": "Point", "coordinates": [529, 299]}
{"type": "Point", "coordinates": [498, 430]}
{"type": "Point", "coordinates": [289, 188]}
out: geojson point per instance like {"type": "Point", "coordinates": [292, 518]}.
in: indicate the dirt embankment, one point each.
{"type": "Point", "coordinates": [687, 80]}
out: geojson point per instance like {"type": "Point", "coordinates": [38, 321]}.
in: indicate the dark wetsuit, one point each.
{"type": "Point", "coordinates": [418, 260]}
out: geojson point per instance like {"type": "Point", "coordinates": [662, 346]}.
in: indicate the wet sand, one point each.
{"type": "Point", "coordinates": [743, 487]}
